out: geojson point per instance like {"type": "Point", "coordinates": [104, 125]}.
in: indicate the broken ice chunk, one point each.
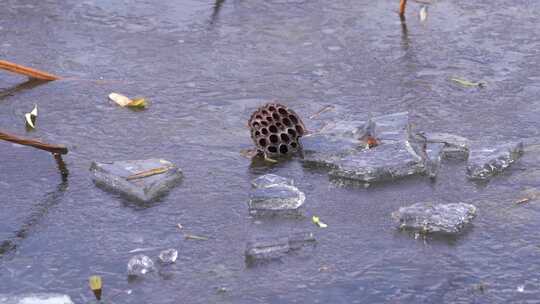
{"type": "Point", "coordinates": [485, 162]}
{"type": "Point", "coordinates": [435, 218]}
{"type": "Point", "coordinates": [456, 147]}
{"type": "Point", "coordinates": [139, 265]}
{"type": "Point", "coordinates": [269, 180]}
{"type": "Point", "coordinates": [276, 200]}
{"type": "Point", "coordinates": [271, 249]}
{"type": "Point", "coordinates": [141, 180]}
{"type": "Point", "coordinates": [385, 162]}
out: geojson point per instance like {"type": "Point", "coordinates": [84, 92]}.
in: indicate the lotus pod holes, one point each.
{"type": "Point", "coordinates": [276, 129]}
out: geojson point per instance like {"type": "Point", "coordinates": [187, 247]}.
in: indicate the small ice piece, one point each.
{"type": "Point", "coordinates": [168, 256]}
{"type": "Point", "coordinates": [385, 162]}
{"type": "Point", "coordinates": [269, 180]}
{"type": "Point", "coordinates": [140, 180]}
{"type": "Point", "coordinates": [36, 298]}
{"type": "Point", "coordinates": [455, 146]}
{"type": "Point", "coordinates": [139, 265]}
{"type": "Point", "coordinates": [435, 218]}
{"type": "Point", "coordinates": [486, 162]}
{"type": "Point", "coordinates": [274, 248]}
{"type": "Point", "coordinates": [276, 200]}
{"type": "Point", "coordinates": [433, 157]}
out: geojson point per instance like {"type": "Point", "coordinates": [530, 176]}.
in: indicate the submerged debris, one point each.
{"type": "Point", "coordinates": [36, 298]}
{"type": "Point", "coordinates": [261, 250]}
{"type": "Point", "coordinates": [275, 130]}
{"type": "Point", "coordinates": [141, 180]}
{"type": "Point", "coordinates": [435, 218]}
{"type": "Point", "coordinates": [139, 265]}
{"type": "Point", "coordinates": [486, 162]}
{"type": "Point", "coordinates": [275, 195]}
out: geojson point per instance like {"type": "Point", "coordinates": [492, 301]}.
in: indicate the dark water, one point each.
{"type": "Point", "coordinates": [205, 67]}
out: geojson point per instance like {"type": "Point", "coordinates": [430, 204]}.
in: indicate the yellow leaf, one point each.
{"type": "Point", "coordinates": [317, 221]}
{"type": "Point", "coordinates": [137, 103]}
{"type": "Point", "coordinates": [195, 237]}
{"type": "Point", "coordinates": [95, 282]}
{"type": "Point", "coordinates": [467, 83]}
{"type": "Point", "coordinates": [120, 99]}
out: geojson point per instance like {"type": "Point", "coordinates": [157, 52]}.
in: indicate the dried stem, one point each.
{"type": "Point", "coordinates": [32, 73]}
{"type": "Point", "coordinates": [402, 5]}
{"type": "Point", "coordinates": [56, 149]}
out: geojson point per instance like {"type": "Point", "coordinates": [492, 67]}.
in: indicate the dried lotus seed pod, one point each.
{"type": "Point", "coordinates": [276, 129]}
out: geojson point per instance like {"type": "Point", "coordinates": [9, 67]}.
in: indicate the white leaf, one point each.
{"type": "Point", "coordinates": [423, 13]}
{"type": "Point", "coordinates": [120, 99]}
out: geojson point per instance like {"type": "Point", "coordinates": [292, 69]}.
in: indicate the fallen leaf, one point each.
{"type": "Point", "coordinates": [31, 118]}
{"type": "Point", "coordinates": [125, 101]}
{"type": "Point", "coordinates": [270, 160]}
{"type": "Point", "coordinates": [137, 103]}
{"type": "Point", "coordinates": [317, 221]}
{"type": "Point", "coordinates": [195, 237]}
{"type": "Point", "coordinates": [120, 99]}
{"type": "Point", "coordinates": [95, 282]}
{"type": "Point", "coordinates": [467, 83]}
{"type": "Point", "coordinates": [522, 201]}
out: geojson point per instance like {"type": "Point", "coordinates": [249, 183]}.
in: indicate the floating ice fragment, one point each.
{"type": "Point", "coordinates": [141, 180]}
{"type": "Point", "coordinates": [275, 195]}
{"type": "Point", "coordinates": [435, 218]}
{"type": "Point", "coordinates": [270, 249]}
{"type": "Point", "coordinates": [486, 162]}
{"type": "Point", "coordinates": [168, 256]}
{"type": "Point", "coordinates": [139, 265]}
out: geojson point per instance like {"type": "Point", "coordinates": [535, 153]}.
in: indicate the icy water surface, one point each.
{"type": "Point", "coordinates": [205, 66]}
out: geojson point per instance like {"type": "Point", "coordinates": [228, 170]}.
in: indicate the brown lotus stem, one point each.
{"type": "Point", "coordinates": [56, 149]}
{"type": "Point", "coordinates": [32, 73]}
{"type": "Point", "coordinates": [402, 5]}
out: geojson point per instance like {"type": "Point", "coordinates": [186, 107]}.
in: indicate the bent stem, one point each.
{"type": "Point", "coordinates": [402, 5]}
